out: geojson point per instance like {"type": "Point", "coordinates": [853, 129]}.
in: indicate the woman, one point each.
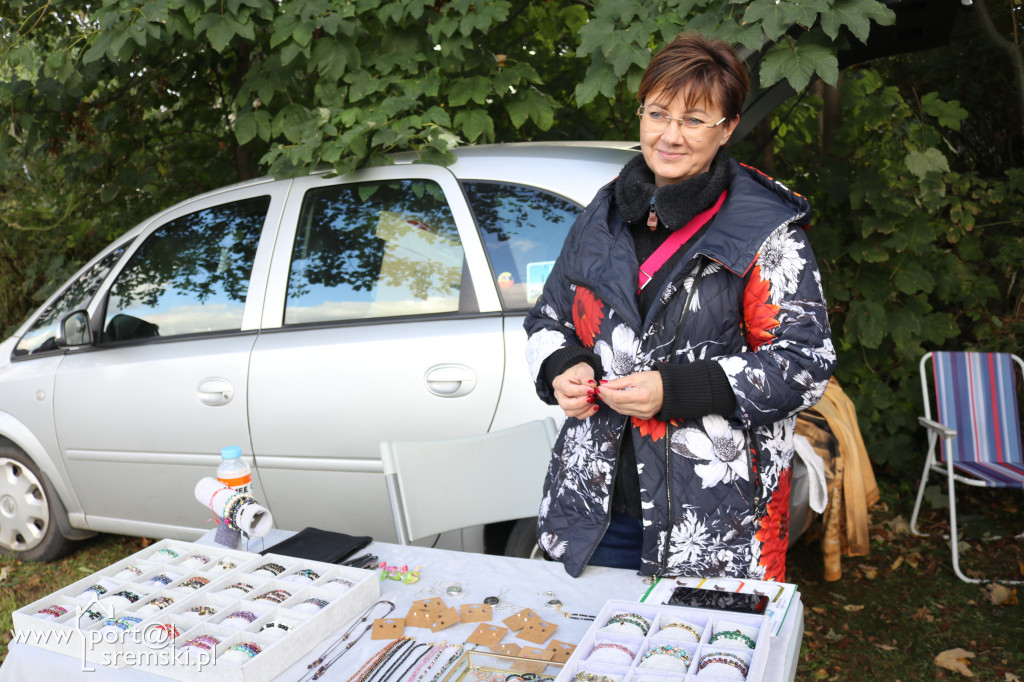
{"type": "Point", "coordinates": [681, 330]}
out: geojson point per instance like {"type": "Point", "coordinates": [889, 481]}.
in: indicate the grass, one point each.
{"type": "Point", "coordinates": [888, 618]}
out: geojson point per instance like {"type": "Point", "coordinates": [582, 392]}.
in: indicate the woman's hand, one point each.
{"type": "Point", "coordinates": [637, 395]}
{"type": "Point", "coordinates": [576, 391]}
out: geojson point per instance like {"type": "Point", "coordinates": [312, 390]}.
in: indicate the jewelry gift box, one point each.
{"type": "Point", "coordinates": [178, 609]}
{"type": "Point", "coordinates": [636, 642]}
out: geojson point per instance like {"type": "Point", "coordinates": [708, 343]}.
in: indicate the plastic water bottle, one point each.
{"type": "Point", "coordinates": [234, 471]}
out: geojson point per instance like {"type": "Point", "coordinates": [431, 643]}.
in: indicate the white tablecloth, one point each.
{"type": "Point", "coordinates": [520, 583]}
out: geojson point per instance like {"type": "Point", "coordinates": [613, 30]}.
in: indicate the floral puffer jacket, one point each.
{"type": "Point", "coordinates": [714, 491]}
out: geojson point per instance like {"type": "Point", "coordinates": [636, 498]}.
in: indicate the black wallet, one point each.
{"type": "Point", "coordinates": [740, 602]}
{"type": "Point", "coordinates": [320, 545]}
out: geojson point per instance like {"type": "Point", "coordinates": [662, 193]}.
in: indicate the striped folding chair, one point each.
{"type": "Point", "coordinates": [978, 426]}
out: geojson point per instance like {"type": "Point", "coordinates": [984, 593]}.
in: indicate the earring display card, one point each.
{"type": "Point", "coordinates": [630, 641]}
{"type": "Point", "coordinates": [245, 616]}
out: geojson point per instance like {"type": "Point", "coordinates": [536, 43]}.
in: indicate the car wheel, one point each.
{"type": "Point", "coordinates": [30, 511]}
{"type": "Point", "coordinates": [522, 541]}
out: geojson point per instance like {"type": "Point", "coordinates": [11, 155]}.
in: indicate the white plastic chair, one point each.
{"type": "Point", "coordinates": [978, 426]}
{"type": "Point", "coordinates": [442, 485]}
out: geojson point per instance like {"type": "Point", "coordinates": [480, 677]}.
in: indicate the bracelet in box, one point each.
{"type": "Point", "coordinates": [733, 634]}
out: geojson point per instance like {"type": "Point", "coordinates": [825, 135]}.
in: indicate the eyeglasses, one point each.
{"type": "Point", "coordinates": [656, 121]}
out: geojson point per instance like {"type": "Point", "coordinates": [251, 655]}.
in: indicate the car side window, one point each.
{"type": "Point", "coordinates": [376, 249]}
{"type": "Point", "coordinates": [42, 335]}
{"type": "Point", "coordinates": [522, 229]}
{"type": "Point", "coordinates": [190, 276]}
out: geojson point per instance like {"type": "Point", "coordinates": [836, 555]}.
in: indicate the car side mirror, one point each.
{"type": "Point", "coordinates": [75, 330]}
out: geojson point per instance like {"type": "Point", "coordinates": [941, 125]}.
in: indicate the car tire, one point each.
{"type": "Point", "coordinates": [522, 541]}
{"type": "Point", "coordinates": [30, 511]}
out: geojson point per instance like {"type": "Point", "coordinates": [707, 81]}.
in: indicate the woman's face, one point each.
{"type": "Point", "coordinates": [680, 152]}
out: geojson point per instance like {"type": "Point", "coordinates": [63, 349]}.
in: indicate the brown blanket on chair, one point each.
{"type": "Point", "coordinates": [851, 480]}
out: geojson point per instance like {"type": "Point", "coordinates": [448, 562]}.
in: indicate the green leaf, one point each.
{"type": "Point", "coordinates": [921, 163]}
{"type": "Point", "coordinates": [777, 16]}
{"type": "Point", "coordinates": [475, 125]}
{"type": "Point", "coordinates": [533, 105]}
{"type": "Point", "coordinates": [220, 29]}
{"type": "Point", "coordinates": [856, 15]}
{"type": "Point", "coordinates": [798, 62]}
{"type": "Point", "coordinates": [866, 322]}
{"type": "Point", "coordinates": [912, 278]}
{"type": "Point", "coordinates": [464, 90]}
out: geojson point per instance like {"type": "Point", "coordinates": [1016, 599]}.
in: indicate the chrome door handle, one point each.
{"type": "Point", "coordinates": [450, 381]}
{"type": "Point", "coordinates": [215, 392]}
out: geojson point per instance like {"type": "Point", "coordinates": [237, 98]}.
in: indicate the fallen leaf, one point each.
{"type": "Point", "coordinates": [896, 564]}
{"type": "Point", "coordinates": [870, 572]}
{"type": "Point", "coordinates": [886, 647]}
{"type": "Point", "coordinates": [4, 572]}
{"type": "Point", "coordinates": [955, 660]}
{"type": "Point", "coordinates": [1000, 594]}
{"type": "Point", "coordinates": [833, 636]}
{"type": "Point", "coordinates": [818, 610]}
{"type": "Point", "coordinates": [853, 607]}
{"type": "Point", "coordinates": [924, 614]}
{"type": "Point", "coordinates": [1010, 677]}
{"type": "Point", "coordinates": [899, 525]}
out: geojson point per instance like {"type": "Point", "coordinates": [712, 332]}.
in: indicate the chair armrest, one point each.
{"type": "Point", "coordinates": [943, 431]}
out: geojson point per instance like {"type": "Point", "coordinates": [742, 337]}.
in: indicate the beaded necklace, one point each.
{"type": "Point", "coordinates": [400, 660]}
{"type": "Point", "coordinates": [378, 660]}
{"type": "Point", "coordinates": [363, 617]}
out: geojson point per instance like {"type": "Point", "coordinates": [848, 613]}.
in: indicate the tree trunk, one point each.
{"type": "Point", "coordinates": [1011, 48]}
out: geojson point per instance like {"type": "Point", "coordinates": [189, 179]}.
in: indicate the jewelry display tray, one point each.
{"type": "Point", "coordinates": [658, 614]}
{"type": "Point", "coordinates": [145, 647]}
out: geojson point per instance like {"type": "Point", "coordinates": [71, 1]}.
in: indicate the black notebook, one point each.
{"type": "Point", "coordinates": [320, 545]}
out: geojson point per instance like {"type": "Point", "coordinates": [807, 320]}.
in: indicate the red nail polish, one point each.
{"type": "Point", "coordinates": [604, 381]}
{"type": "Point", "coordinates": [591, 399]}
{"type": "Point", "coordinates": [591, 382]}
{"type": "Point", "coordinates": [596, 407]}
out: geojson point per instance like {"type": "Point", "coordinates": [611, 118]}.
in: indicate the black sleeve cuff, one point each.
{"type": "Point", "coordinates": [564, 358]}
{"type": "Point", "coordinates": [694, 390]}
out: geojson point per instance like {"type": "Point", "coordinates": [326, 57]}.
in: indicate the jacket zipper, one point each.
{"type": "Point", "coordinates": [754, 468]}
{"type": "Point", "coordinates": [611, 492]}
{"type": "Point", "coordinates": [670, 512]}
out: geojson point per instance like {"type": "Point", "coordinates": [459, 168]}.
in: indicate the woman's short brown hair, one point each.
{"type": "Point", "coordinates": [704, 71]}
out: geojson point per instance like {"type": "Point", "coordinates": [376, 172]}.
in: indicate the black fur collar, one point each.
{"type": "Point", "coordinates": [677, 203]}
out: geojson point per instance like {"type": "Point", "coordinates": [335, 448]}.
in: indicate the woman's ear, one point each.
{"type": "Point", "coordinates": [728, 128]}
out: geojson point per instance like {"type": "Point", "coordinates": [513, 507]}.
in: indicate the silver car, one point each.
{"type": "Point", "coordinates": [304, 320]}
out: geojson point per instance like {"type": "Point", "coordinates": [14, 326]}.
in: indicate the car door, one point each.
{"type": "Point", "coordinates": [374, 329]}
{"type": "Point", "coordinates": [143, 413]}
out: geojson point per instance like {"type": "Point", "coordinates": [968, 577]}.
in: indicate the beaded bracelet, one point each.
{"type": "Point", "coordinates": [195, 582]}
{"type": "Point", "coordinates": [225, 565]}
{"type": "Point", "coordinates": [319, 603]}
{"type": "Point", "coordinates": [725, 658]}
{"type": "Point", "coordinates": [683, 626]}
{"type": "Point", "coordinates": [274, 624]}
{"type": "Point", "coordinates": [341, 581]}
{"type": "Point", "coordinates": [668, 650]}
{"type": "Point", "coordinates": [94, 615]}
{"type": "Point", "coordinates": [247, 648]}
{"type": "Point", "coordinates": [167, 551]}
{"type": "Point", "coordinates": [614, 645]}
{"type": "Point", "coordinates": [99, 590]}
{"type": "Point", "coordinates": [55, 611]}
{"type": "Point", "coordinates": [203, 610]}
{"type": "Point", "coordinates": [124, 622]}
{"type": "Point", "coordinates": [733, 634]}
{"type": "Point", "coordinates": [244, 587]}
{"type": "Point", "coordinates": [276, 596]}
{"type": "Point", "coordinates": [585, 676]}
{"type": "Point", "coordinates": [205, 642]}
{"type": "Point", "coordinates": [202, 558]}
{"type": "Point", "coordinates": [243, 615]}
{"type": "Point", "coordinates": [163, 579]}
{"type": "Point", "coordinates": [130, 596]}
{"type": "Point", "coordinates": [630, 619]}
{"type": "Point", "coordinates": [172, 632]}
{"type": "Point", "coordinates": [308, 573]}
{"type": "Point", "coordinates": [134, 570]}
{"type": "Point", "coordinates": [161, 602]}
{"type": "Point", "coordinates": [275, 569]}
